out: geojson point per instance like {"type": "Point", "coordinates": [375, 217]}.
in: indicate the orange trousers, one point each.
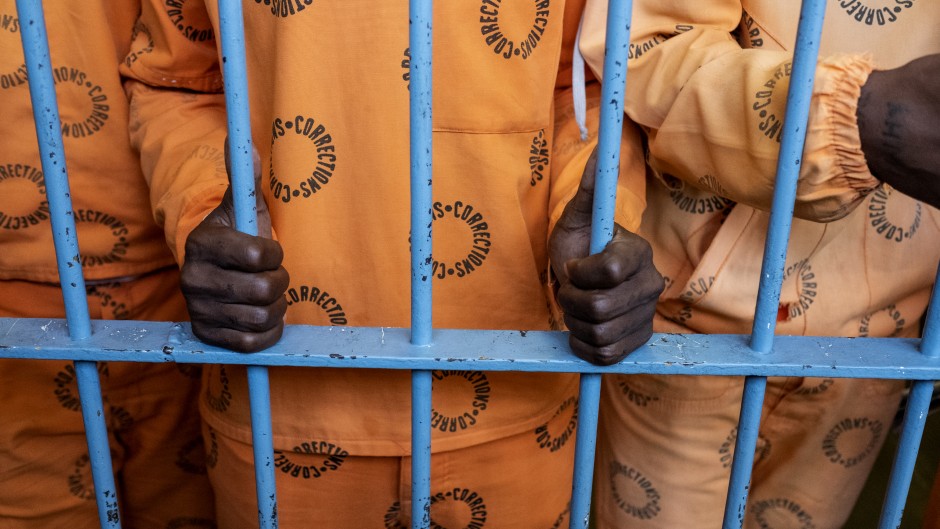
{"type": "Point", "coordinates": [522, 481]}
{"type": "Point", "coordinates": [153, 423]}
{"type": "Point", "coordinates": [665, 446]}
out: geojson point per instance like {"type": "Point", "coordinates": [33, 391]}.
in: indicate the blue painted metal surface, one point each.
{"type": "Point", "coordinates": [387, 348]}
{"type": "Point", "coordinates": [743, 459]}
{"type": "Point", "coordinates": [915, 417]}
{"type": "Point", "coordinates": [262, 445]}
{"type": "Point", "coordinates": [421, 449]}
{"type": "Point", "coordinates": [99, 453]}
{"type": "Point", "coordinates": [420, 42]}
{"type": "Point", "coordinates": [241, 166]}
{"type": "Point", "coordinates": [589, 399]}
{"type": "Point", "coordinates": [52, 155]}
{"type": "Point", "coordinates": [899, 482]}
{"type": "Point", "coordinates": [789, 161]}
{"type": "Point", "coordinates": [610, 128]}
{"type": "Point", "coordinates": [543, 351]}
{"type": "Point", "coordinates": [420, 98]}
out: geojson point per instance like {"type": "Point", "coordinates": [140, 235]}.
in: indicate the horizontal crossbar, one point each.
{"type": "Point", "coordinates": [546, 351]}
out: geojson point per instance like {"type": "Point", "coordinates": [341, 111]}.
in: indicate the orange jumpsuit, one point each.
{"type": "Point", "coordinates": [158, 456]}
{"type": "Point", "coordinates": [708, 83]}
{"type": "Point", "coordinates": [328, 87]}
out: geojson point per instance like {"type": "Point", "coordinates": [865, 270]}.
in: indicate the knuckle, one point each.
{"type": "Point", "coordinates": [187, 283]}
{"type": "Point", "coordinates": [258, 318]}
{"type": "Point", "coordinates": [253, 254]}
{"type": "Point", "coordinates": [598, 307]}
{"type": "Point", "coordinates": [593, 335]}
{"type": "Point", "coordinates": [606, 356]}
{"type": "Point", "coordinates": [190, 276]}
{"type": "Point", "coordinates": [206, 334]}
{"type": "Point", "coordinates": [282, 278]}
{"type": "Point", "coordinates": [279, 309]}
{"type": "Point", "coordinates": [249, 342]}
{"type": "Point", "coordinates": [644, 247]}
{"type": "Point", "coordinates": [253, 342]}
{"type": "Point", "coordinates": [566, 297]}
{"type": "Point", "coordinates": [198, 312]}
{"type": "Point", "coordinates": [613, 269]}
{"type": "Point", "coordinates": [600, 333]}
{"type": "Point", "coordinates": [266, 289]}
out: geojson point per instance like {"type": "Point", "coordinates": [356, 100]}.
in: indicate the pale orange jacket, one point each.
{"type": "Point", "coordinates": [708, 82]}
{"type": "Point", "coordinates": [116, 232]}
{"type": "Point", "coordinates": [328, 90]}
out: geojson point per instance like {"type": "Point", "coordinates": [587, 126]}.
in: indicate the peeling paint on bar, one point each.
{"type": "Point", "coordinates": [390, 348]}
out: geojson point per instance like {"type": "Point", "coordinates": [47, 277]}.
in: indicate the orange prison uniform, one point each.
{"type": "Point", "coordinates": [708, 82]}
{"type": "Point", "coordinates": [157, 453]}
{"type": "Point", "coordinates": [328, 88]}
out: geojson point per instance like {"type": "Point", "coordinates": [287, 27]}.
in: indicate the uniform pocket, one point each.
{"type": "Point", "coordinates": [495, 64]}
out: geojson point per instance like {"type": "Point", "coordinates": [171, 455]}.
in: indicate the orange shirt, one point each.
{"type": "Point", "coordinates": [116, 232]}
{"type": "Point", "coordinates": [328, 88]}
{"type": "Point", "coordinates": [709, 86]}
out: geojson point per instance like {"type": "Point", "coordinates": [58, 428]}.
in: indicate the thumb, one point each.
{"type": "Point", "coordinates": [571, 236]}
{"type": "Point", "coordinates": [261, 208]}
{"type": "Point", "coordinates": [578, 212]}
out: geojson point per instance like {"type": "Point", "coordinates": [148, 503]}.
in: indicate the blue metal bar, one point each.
{"type": "Point", "coordinates": [743, 459]}
{"type": "Point", "coordinates": [52, 156]}
{"type": "Point", "coordinates": [789, 162]}
{"type": "Point", "coordinates": [420, 41]}
{"type": "Point", "coordinates": [241, 158]}
{"type": "Point", "coordinates": [915, 417]}
{"type": "Point", "coordinates": [243, 191]}
{"type": "Point", "coordinates": [99, 453]}
{"type": "Point", "coordinates": [420, 97]}
{"type": "Point", "coordinates": [589, 398]}
{"type": "Point", "coordinates": [610, 129]}
{"type": "Point", "coordinates": [531, 351]}
{"type": "Point", "coordinates": [421, 382]}
{"type": "Point", "coordinates": [262, 444]}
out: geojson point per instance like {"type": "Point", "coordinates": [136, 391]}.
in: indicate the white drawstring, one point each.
{"type": "Point", "coordinates": [577, 85]}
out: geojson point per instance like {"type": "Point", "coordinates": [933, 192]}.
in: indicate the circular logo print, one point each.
{"type": "Point", "coordinates": [851, 441]}
{"type": "Point", "coordinates": [460, 221]}
{"type": "Point", "coordinates": [554, 434]}
{"type": "Point", "coordinates": [633, 492]}
{"type": "Point", "coordinates": [23, 201]}
{"type": "Point", "coordinates": [472, 396]}
{"type": "Point", "coordinates": [303, 134]}
{"type": "Point", "coordinates": [513, 30]}
{"type": "Point", "coordinates": [319, 457]}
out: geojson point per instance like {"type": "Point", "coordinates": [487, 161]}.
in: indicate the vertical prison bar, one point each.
{"type": "Point", "coordinates": [52, 155]}
{"type": "Point", "coordinates": [232, 35]}
{"type": "Point", "coordinates": [607, 171]}
{"type": "Point", "coordinates": [915, 416]}
{"type": "Point", "coordinates": [420, 100]}
{"type": "Point", "coordinates": [789, 161]}
{"type": "Point", "coordinates": [48, 127]}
